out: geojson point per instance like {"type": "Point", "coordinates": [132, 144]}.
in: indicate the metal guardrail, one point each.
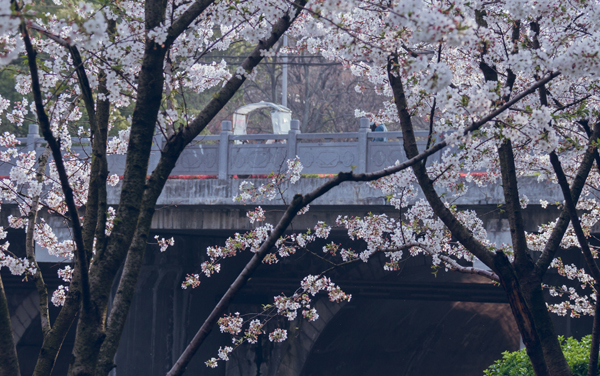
{"type": "Point", "coordinates": [226, 154]}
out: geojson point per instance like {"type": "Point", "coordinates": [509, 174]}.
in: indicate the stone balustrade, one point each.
{"type": "Point", "coordinates": [225, 155]}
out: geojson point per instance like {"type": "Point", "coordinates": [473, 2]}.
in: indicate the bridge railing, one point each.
{"type": "Point", "coordinates": [226, 154]}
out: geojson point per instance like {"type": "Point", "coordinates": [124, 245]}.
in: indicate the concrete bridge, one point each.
{"type": "Point", "coordinates": [408, 322]}
{"type": "Point", "coordinates": [224, 155]}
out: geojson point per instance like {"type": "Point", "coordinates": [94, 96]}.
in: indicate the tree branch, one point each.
{"type": "Point", "coordinates": [498, 262]}
{"type": "Point", "coordinates": [30, 245]}
{"type": "Point", "coordinates": [455, 266]}
{"type": "Point", "coordinates": [98, 151]}
{"type": "Point", "coordinates": [458, 230]}
{"type": "Point", "coordinates": [80, 283]}
{"type": "Point", "coordinates": [80, 254]}
{"type": "Point", "coordinates": [181, 364]}
{"type": "Point", "coordinates": [185, 20]}
{"type": "Point", "coordinates": [523, 262]}
{"type": "Point", "coordinates": [570, 206]}
{"type": "Point", "coordinates": [560, 228]}
{"type": "Point", "coordinates": [100, 142]}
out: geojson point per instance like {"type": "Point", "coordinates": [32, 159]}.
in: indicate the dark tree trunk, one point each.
{"type": "Point", "coordinates": [9, 364]}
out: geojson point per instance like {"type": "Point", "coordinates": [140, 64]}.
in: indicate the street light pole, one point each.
{"type": "Point", "coordinates": [284, 74]}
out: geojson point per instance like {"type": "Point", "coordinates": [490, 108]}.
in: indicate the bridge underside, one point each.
{"type": "Point", "coordinates": [407, 322]}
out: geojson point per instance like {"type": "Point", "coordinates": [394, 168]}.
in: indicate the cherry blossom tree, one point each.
{"type": "Point", "coordinates": [104, 58]}
{"type": "Point", "coordinates": [511, 85]}
{"type": "Point", "coordinates": [509, 88]}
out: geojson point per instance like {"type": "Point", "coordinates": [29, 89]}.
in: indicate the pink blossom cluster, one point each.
{"type": "Point", "coordinates": [256, 215]}
{"type": "Point", "coordinates": [231, 324]}
{"type": "Point", "coordinates": [314, 284]}
{"type": "Point", "coordinates": [59, 295]}
{"type": "Point", "coordinates": [17, 266]}
{"type": "Point", "coordinates": [278, 335]}
{"type": "Point", "coordinates": [164, 243]}
{"type": "Point", "coordinates": [66, 273]}
{"type": "Point", "coordinates": [274, 186]}
{"type": "Point", "coordinates": [191, 280]}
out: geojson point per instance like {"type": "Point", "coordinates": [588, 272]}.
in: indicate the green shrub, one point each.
{"type": "Point", "coordinates": [517, 363]}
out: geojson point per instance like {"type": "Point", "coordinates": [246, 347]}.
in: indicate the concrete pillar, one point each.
{"type": "Point", "coordinates": [158, 145]}
{"type": "Point", "coordinates": [292, 140]}
{"type": "Point", "coordinates": [498, 231]}
{"type": "Point", "coordinates": [224, 149]}
{"type": "Point", "coordinates": [32, 136]}
{"type": "Point", "coordinates": [363, 145]}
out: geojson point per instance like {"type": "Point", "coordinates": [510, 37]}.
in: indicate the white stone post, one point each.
{"type": "Point", "coordinates": [363, 145]}
{"type": "Point", "coordinates": [292, 140]}
{"type": "Point", "coordinates": [224, 149]}
{"type": "Point", "coordinates": [32, 136]}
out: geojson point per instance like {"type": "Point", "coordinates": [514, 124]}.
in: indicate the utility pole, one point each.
{"type": "Point", "coordinates": [284, 76]}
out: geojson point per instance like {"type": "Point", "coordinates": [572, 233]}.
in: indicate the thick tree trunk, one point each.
{"type": "Point", "coordinates": [154, 186]}
{"type": "Point", "coordinates": [555, 359]}
{"type": "Point", "coordinates": [9, 364]}
{"type": "Point", "coordinates": [523, 316]}
{"type": "Point", "coordinates": [90, 331]}
{"type": "Point", "coordinates": [523, 265]}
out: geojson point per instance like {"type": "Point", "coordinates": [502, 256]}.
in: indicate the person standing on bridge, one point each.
{"type": "Point", "coordinates": [379, 128]}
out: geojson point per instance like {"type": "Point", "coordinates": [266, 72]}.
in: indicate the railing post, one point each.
{"type": "Point", "coordinates": [292, 141]}
{"type": "Point", "coordinates": [32, 136]}
{"type": "Point", "coordinates": [362, 145]}
{"type": "Point", "coordinates": [224, 149]}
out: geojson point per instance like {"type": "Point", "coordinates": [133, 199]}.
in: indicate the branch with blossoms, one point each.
{"type": "Point", "coordinates": [163, 243]}
{"type": "Point", "coordinates": [30, 244]}
{"type": "Point", "coordinates": [575, 306]}
{"type": "Point", "coordinates": [288, 306]}
{"type": "Point", "coordinates": [375, 226]}
{"type": "Point", "coordinates": [54, 144]}
{"type": "Point", "coordinates": [273, 187]}
{"type": "Point", "coordinates": [576, 303]}
{"type": "Point", "coordinates": [575, 222]}
{"type": "Point", "coordinates": [301, 201]}
{"type": "Point", "coordinates": [284, 306]}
